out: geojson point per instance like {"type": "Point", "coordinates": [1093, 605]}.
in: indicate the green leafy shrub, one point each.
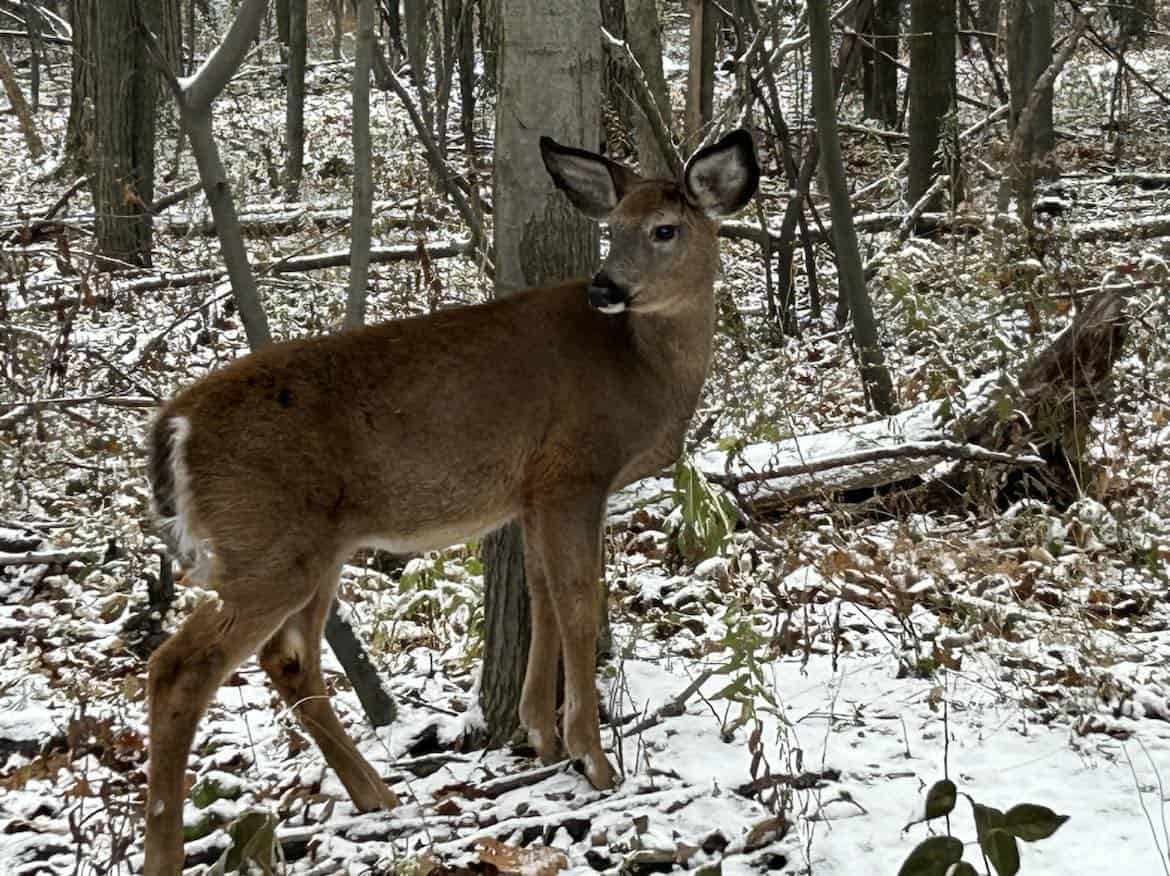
{"type": "Point", "coordinates": [996, 832]}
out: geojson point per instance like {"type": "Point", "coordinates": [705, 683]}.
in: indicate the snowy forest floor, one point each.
{"type": "Point", "coordinates": [860, 651]}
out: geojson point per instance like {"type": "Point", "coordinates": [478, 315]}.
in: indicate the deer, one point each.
{"type": "Point", "coordinates": [419, 433]}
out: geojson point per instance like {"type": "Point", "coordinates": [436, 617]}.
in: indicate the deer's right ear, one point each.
{"type": "Point", "coordinates": [594, 184]}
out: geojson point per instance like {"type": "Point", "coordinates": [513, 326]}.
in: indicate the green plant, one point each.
{"type": "Point", "coordinates": [748, 685]}
{"type": "Point", "coordinates": [703, 515]}
{"type": "Point", "coordinates": [996, 832]}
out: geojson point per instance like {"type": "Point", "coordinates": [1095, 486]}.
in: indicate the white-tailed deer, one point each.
{"type": "Point", "coordinates": [417, 433]}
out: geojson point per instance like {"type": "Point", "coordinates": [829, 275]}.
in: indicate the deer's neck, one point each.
{"type": "Point", "coordinates": [677, 344]}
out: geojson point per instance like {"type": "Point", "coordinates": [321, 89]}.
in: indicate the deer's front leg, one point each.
{"type": "Point", "coordinates": [567, 536]}
{"type": "Point", "coordinates": [538, 701]}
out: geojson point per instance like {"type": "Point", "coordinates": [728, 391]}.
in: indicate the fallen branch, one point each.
{"type": "Point", "coordinates": [51, 557]}
{"type": "Point", "coordinates": [1049, 402]}
{"type": "Point", "coordinates": [672, 708]}
{"type": "Point", "coordinates": [908, 224]}
{"type": "Point", "coordinates": [319, 261]}
{"type": "Point", "coordinates": [1114, 230]}
{"type": "Point", "coordinates": [27, 234]}
{"type": "Point", "coordinates": [798, 782]}
{"type": "Point", "coordinates": [909, 450]}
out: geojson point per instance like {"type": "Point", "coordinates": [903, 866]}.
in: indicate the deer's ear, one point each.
{"type": "Point", "coordinates": [594, 184]}
{"type": "Point", "coordinates": [721, 179]}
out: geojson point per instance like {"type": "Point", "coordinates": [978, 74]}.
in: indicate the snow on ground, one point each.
{"type": "Point", "coordinates": [861, 651]}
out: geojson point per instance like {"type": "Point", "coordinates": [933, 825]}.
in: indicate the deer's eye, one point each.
{"type": "Point", "coordinates": [663, 233]}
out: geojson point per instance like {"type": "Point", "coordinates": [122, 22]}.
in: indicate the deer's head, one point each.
{"type": "Point", "coordinates": [663, 233]}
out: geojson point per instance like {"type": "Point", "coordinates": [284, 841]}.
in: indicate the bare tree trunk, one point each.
{"type": "Point", "coordinates": [24, 115]}
{"type": "Point", "coordinates": [337, 8]}
{"type": "Point", "coordinates": [363, 184]}
{"type": "Point", "coordinates": [282, 11]}
{"type": "Point", "coordinates": [79, 128]}
{"type": "Point", "coordinates": [466, 40]}
{"type": "Point", "coordinates": [933, 27]}
{"type": "Point", "coordinates": [701, 69]}
{"type": "Point", "coordinates": [879, 64]}
{"type": "Point", "coordinates": [644, 36]}
{"type": "Point", "coordinates": [550, 74]}
{"type": "Point", "coordinates": [415, 24]}
{"type": "Point", "coordinates": [489, 42]}
{"type": "Point", "coordinates": [851, 277]}
{"type": "Point", "coordinates": [125, 103]}
{"type": "Point", "coordinates": [298, 47]}
{"type": "Point", "coordinates": [32, 22]}
{"type": "Point", "coordinates": [195, 98]}
{"type": "Point", "coordinates": [1029, 52]}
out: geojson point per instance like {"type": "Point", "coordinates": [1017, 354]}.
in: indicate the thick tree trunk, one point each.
{"type": "Point", "coordinates": [549, 83]}
{"type": "Point", "coordinates": [879, 64]}
{"type": "Point", "coordinates": [933, 26]}
{"type": "Point", "coordinates": [851, 277]}
{"type": "Point", "coordinates": [125, 101]}
{"type": "Point", "coordinates": [294, 120]}
{"type": "Point", "coordinates": [1029, 52]}
{"type": "Point", "coordinates": [79, 128]}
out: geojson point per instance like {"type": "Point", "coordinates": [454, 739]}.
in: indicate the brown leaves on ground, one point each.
{"type": "Point", "coordinates": [532, 861]}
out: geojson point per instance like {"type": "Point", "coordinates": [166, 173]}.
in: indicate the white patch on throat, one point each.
{"type": "Point", "coordinates": [613, 308]}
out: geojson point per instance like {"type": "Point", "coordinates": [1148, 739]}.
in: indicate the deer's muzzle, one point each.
{"type": "Point", "coordinates": [606, 295]}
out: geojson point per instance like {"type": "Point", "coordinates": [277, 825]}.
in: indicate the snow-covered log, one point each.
{"type": "Point", "coordinates": [1037, 415]}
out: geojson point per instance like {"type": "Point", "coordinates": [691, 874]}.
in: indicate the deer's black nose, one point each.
{"type": "Point", "coordinates": [606, 295]}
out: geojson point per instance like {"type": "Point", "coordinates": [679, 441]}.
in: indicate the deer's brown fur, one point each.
{"type": "Point", "coordinates": [421, 432]}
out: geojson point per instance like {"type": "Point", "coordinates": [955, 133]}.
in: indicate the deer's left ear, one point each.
{"type": "Point", "coordinates": [594, 184]}
{"type": "Point", "coordinates": [721, 179]}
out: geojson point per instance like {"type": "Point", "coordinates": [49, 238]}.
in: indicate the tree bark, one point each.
{"type": "Point", "coordinates": [549, 83]}
{"type": "Point", "coordinates": [933, 26]}
{"type": "Point", "coordinates": [363, 183]}
{"type": "Point", "coordinates": [851, 277]}
{"type": "Point", "coordinates": [701, 69]}
{"type": "Point", "coordinates": [415, 25]}
{"type": "Point", "coordinates": [879, 63]}
{"type": "Point", "coordinates": [644, 37]}
{"type": "Point", "coordinates": [79, 128]}
{"type": "Point", "coordinates": [20, 107]}
{"type": "Point", "coordinates": [294, 120]}
{"type": "Point", "coordinates": [125, 102]}
{"type": "Point", "coordinates": [1029, 52]}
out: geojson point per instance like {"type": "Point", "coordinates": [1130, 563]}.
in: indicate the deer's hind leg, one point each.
{"type": "Point", "coordinates": [184, 674]}
{"type": "Point", "coordinates": [292, 659]}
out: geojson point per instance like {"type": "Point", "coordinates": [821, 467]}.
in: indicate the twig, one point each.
{"type": "Point", "coordinates": [672, 708]}
{"type": "Point", "coordinates": [434, 156]}
{"type": "Point", "coordinates": [646, 102]}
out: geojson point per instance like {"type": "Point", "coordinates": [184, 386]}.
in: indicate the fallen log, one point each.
{"type": "Point", "coordinates": [1037, 418]}
{"type": "Point", "coordinates": [294, 264]}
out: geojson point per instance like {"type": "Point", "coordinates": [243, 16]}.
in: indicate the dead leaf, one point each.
{"type": "Point", "coordinates": [532, 861]}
